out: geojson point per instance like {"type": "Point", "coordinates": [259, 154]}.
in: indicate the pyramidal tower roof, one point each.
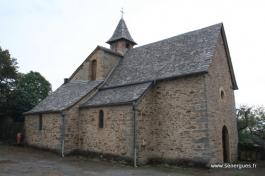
{"type": "Point", "coordinates": [121, 32]}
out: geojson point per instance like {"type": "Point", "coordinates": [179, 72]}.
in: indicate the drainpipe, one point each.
{"type": "Point", "coordinates": [62, 135]}
{"type": "Point", "coordinates": [134, 135]}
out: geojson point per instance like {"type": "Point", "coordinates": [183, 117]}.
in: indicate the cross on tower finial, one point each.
{"type": "Point", "coordinates": [122, 12]}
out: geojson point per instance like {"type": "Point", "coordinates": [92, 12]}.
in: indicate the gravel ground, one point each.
{"type": "Point", "coordinates": [23, 161]}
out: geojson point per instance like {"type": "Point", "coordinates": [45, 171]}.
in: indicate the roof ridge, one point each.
{"type": "Point", "coordinates": [83, 81]}
{"type": "Point", "coordinates": [183, 54]}
{"type": "Point", "coordinates": [124, 85]}
{"type": "Point", "coordinates": [185, 33]}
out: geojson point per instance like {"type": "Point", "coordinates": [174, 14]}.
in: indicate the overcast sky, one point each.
{"type": "Point", "coordinates": [53, 37]}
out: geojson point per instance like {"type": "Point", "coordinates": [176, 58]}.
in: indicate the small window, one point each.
{"type": "Point", "coordinates": [222, 93]}
{"type": "Point", "coordinates": [127, 45]}
{"type": "Point", "coordinates": [93, 70]}
{"type": "Point", "coordinates": [101, 119]}
{"type": "Point", "coordinates": [40, 122]}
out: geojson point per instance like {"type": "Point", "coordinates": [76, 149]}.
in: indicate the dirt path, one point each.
{"type": "Point", "coordinates": [20, 161]}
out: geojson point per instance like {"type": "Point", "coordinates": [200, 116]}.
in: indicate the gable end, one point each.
{"type": "Point", "coordinates": [229, 61]}
{"type": "Point", "coordinates": [106, 50]}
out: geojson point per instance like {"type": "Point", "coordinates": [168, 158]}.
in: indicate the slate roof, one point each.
{"type": "Point", "coordinates": [118, 95]}
{"type": "Point", "coordinates": [185, 54]}
{"type": "Point", "coordinates": [121, 32]}
{"type": "Point", "coordinates": [182, 55]}
{"type": "Point", "coordinates": [65, 96]}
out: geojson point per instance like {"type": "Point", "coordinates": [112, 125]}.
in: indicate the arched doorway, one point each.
{"type": "Point", "coordinates": [225, 142]}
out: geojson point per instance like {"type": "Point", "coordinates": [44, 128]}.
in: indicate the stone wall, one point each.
{"type": "Point", "coordinates": [172, 122]}
{"type": "Point", "coordinates": [121, 46]}
{"type": "Point", "coordinates": [109, 61]}
{"type": "Point", "coordinates": [105, 62]}
{"type": "Point", "coordinates": [50, 135]}
{"type": "Point", "coordinates": [72, 124]}
{"type": "Point", "coordinates": [115, 138]}
{"type": "Point", "coordinates": [221, 111]}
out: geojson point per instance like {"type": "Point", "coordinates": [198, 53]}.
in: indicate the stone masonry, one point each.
{"type": "Point", "coordinates": [170, 101]}
{"type": "Point", "coordinates": [49, 137]}
{"type": "Point", "coordinates": [172, 121]}
{"type": "Point", "coordinates": [116, 138]}
{"type": "Point", "coordinates": [220, 111]}
{"type": "Point", "coordinates": [106, 60]}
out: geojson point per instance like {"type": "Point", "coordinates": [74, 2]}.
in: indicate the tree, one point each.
{"type": "Point", "coordinates": [8, 76]}
{"type": "Point", "coordinates": [260, 122]}
{"type": "Point", "coordinates": [250, 123]}
{"type": "Point", "coordinates": [31, 89]}
{"type": "Point", "coordinates": [18, 93]}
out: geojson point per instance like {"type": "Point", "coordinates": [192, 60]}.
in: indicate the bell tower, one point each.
{"type": "Point", "coordinates": [121, 40]}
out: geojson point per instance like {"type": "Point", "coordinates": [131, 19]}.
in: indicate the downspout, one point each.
{"type": "Point", "coordinates": [135, 131]}
{"type": "Point", "coordinates": [62, 134]}
{"type": "Point", "coordinates": [134, 136]}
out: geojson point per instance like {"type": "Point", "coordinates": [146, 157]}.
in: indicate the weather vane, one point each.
{"type": "Point", "coordinates": [122, 12]}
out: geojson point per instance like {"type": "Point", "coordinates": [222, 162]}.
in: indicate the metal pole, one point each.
{"type": "Point", "coordinates": [134, 137]}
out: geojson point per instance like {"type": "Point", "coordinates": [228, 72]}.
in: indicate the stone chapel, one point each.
{"type": "Point", "coordinates": [170, 101]}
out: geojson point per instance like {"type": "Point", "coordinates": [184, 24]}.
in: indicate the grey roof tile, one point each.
{"type": "Point", "coordinates": [184, 54]}
{"type": "Point", "coordinates": [121, 32]}
{"type": "Point", "coordinates": [118, 95]}
{"type": "Point", "coordinates": [65, 96]}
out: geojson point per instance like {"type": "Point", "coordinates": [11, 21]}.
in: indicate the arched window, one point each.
{"type": "Point", "coordinates": [93, 70]}
{"type": "Point", "coordinates": [222, 93]}
{"type": "Point", "coordinates": [101, 119]}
